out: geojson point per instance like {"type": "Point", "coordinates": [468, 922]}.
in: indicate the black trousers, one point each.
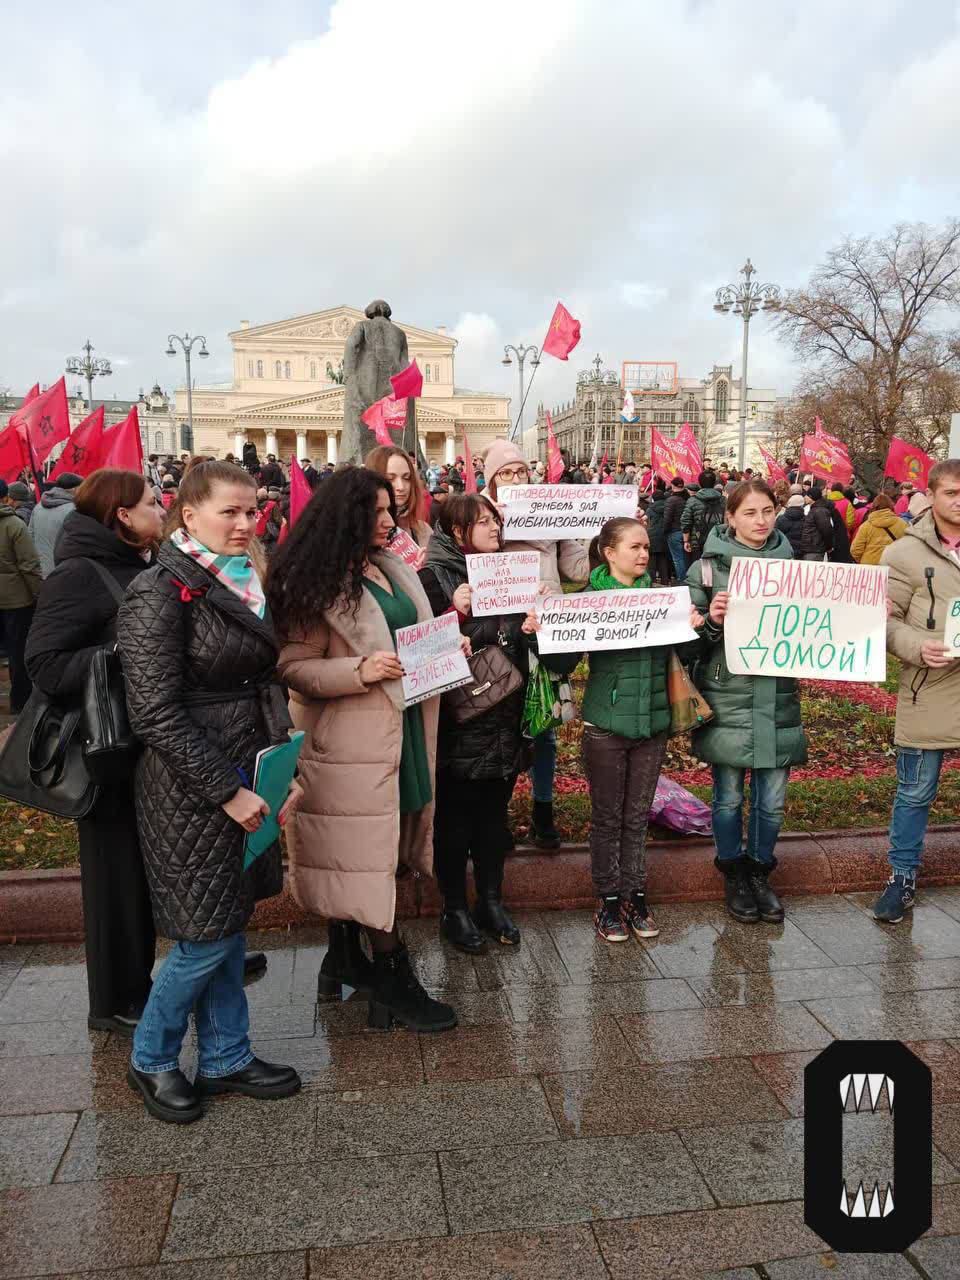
{"type": "Point", "coordinates": [16, 626]}
{"type": "Point", "coordinates": [470, 822]}
{"type": "Point", "coordinates": [661, 567]}
{"type": "Point", "coordinates": [117, 919]}
{"type": "Point", "coordinates": [623, 774]}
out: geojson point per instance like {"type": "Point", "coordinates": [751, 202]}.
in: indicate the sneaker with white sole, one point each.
{"type": "Point", "coordinates": [608, 922]}
{"type": "Point", "coordinates": [897, 898]}
{"type": "Point", "coordinates": [636, 916]}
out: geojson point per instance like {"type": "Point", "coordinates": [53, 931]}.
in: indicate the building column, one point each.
{"type": "Point", "coordinates": [423, 445]}
{"type": "Point", "coordinates": [301, 445]}
{"type": "Point", "coordinates": [271, 446]}
{"type": "Point", "coordinates": [239, 440]}
{"type": "Point", "coordinates": [332, 448]}
{"type": "Point", "coordinates": [449, 454]}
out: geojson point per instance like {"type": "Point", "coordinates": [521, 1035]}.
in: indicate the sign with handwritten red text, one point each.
{"type": "Point", "coordinates": [402, 545]}
{"type": "Point", "coordinates": [806, 618]}
{"type": "Point", "coordinates": [504, 582]}
{"type": "Point", "coordinates": [432, 659]}
{"type": "Point", "coordinates": [550, 512]}
{"type": "Point", "coordinates": [631, 619]}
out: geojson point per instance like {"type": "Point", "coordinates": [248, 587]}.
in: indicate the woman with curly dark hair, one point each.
{"type": "Point", "coordinates": [337, 597]}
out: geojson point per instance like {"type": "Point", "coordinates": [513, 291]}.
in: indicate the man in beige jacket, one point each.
{"type": "Point", "coordinates": [924, 577]}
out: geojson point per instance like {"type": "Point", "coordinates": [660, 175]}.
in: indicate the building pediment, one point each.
{"type": "Point", "coordinates": [310, 403]}
{"type": "Point", "coordinates": [332, 325]}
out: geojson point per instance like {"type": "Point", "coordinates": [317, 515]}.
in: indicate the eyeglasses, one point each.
{"type": "Point", "coordinates": [506, 474]}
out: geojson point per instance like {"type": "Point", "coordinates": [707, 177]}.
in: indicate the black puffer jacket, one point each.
{"type": "Point", "coordinates": [817, 538]}
{"type": "Point", "coordinates": [202, 699]}
{"type": "Point", "coordinates": [491, 745]}
{"type": "Point", "coordinates": [790, 523]}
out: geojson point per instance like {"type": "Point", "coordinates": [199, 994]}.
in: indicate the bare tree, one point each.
{"type": "Point", "coordinates": [874, 330]}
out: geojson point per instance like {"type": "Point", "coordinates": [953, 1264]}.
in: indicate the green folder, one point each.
{"type": "Point", "coordinates": [272, 776]}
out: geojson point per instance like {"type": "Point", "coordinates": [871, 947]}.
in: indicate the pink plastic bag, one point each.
{"type": "Point", "coordinates": [674, 807]}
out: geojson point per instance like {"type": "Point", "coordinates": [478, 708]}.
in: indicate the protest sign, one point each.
{"type": "Point", "coordinates": [952, 637]}
{"type": "Point", "coordinates": [549, 512]}
{"type": "Point", "coordinates": [431, 657]}
{"type": "Point", "coordinates": [507, 582]}
{"type": "Point", "coordinates": [806, 618]}
{"type": "Point", "coordinates": [631, 619]}
{"type": "Point", "coordinates": [402, 545]}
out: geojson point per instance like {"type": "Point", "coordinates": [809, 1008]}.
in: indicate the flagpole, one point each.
{"type": "Point", "coordinates": [513, 430]}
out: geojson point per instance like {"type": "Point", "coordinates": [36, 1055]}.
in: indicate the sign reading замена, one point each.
{"type": "Point", "coordinates": [431, 657]}
{"type": "Point", "coordinates": [806, 618]}
{"type": "Point", "coordinates": [632, 619]}
{"type": "Point", "coordinates": [549, 512]}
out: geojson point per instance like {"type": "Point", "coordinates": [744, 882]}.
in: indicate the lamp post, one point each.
{"type": "Point", "coordinates": [746, 299]}
{"type": "Point", "coordinates": [596, 380]}
{"type": "Point", "coordinates": [88, 368]}
{"type": "Point", "coordinates": [521, 353]}
{"type": "Point", "coordinates": [187, 344]}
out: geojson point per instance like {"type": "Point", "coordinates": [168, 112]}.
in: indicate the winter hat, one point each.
{"type": "Point", "coordinates": [69, 481]}
{"type": "Point", "coordinates": [919, 505]}
{"type": "Point", "coordinates": [796, 500]}
{"type": "Point", "coordinates": [501, 454]}
{"type": "Point", "coordinates": [19, 491]}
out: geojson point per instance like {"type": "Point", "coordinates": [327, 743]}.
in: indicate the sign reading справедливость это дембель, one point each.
{"type": "Point", "coordinates": [806, 618]}
{"type": "Point", "coordinates": [632, 619]}
{"type": "Point", "coordinates": [431, 657]}
{"type": "Point", "coordinates": [550, 512]}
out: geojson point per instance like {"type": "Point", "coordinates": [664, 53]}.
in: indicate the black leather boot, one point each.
{"type": "Point", "coordinates": [542, 831]}
{"type": "Point", "coordinates": [168, 1095]}
{"type": "Point", "coordinates": [257, 1080]}
{"type": "Point", "coordinates": [254, 964]}
{"type": "Point", "coordinates": [397, 997]}
{"type": "Point", "coordinates": [768, 904]}
{"type": "Point", "coordinates": [345, 964]}
{"type": "Point", "coordinates": [460, 931]}
{"type": "Point", "coordinates": [489, 913]}
{"type": "Point", "coordinates": [737, 888]}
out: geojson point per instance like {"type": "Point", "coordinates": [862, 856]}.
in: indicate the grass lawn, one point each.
{"type": "Point", "coordinates": [849, 780]}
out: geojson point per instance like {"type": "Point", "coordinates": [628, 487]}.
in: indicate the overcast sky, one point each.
{"type": "Point", "coordinates": [183, 166]}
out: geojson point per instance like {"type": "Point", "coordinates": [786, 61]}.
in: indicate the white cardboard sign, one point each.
{"type": "Point", "coordinates": [632, 619]}
{"type": "Point", "coordinates": [503, 582]}
{"type": "Point", "coordinates": [952, 634]}
{"type": "Point", "coordinates": [550, 512]}
{"type": "Point", "coordinates": [809, 619]}
{"type": "Point", "coordinates": [432, 659]}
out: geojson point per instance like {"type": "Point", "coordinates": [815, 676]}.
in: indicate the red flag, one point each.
{"type": "Point", "coordinates": [300, 491]}
{"type": "Point", "coordinates": [46, 420]}
{"type": "Point", "coordinates": [554, 456]}
{"type": "Point", "coordinates": [122, 447]}
{"type": "Point", "coordinates": [906, 463]}
{"type": "Point", "coordinates": [81, 454]}
{"type": "Point", "coordinates": [469, 476]}
{"type": "Point", "coordinates": [408, 382]}
{"type": "Point", "coordinates": [822, 460]}
{"type": "Point", "coordinates": [833, 441]}
{"type": "Point", "coordinates": [686, 442]}
{"type": "Point", "coordinates": [31, 395]}
{"type": "Point", "coordinates": [13, 454]}
{"type": "Point", "coordinates": [563, 334]}
{"type": "Point", "coordinates": [774, 469]}
{"type": "Point", "coordinates": [385, 415]}
{"type": "Point", "coordinates": [665, 460]}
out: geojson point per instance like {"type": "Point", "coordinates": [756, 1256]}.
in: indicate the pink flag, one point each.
{"type": "Point", "coordinates": [470, 476]}
{"type": "Point", "coordinates": [81, 454]}
{"type": "Point", "coordinates": [300, 491]}
{"type": "Point", "coordinates": [385, 415]}
{"type": "Point", "coordinates": [774, 469]}
{"type": "Point", "coordinates": [686, 442]}
{"type": "Point", "coordinates": [408, 382]}
{"type": "Point", "coordinates": [122, 447]}
{"type": "Point", "coordinates": [46, 420]}
{"type": "Point", "coordinates": [563, 334]}
{"type": "Point", "coordinates": [554, 456]}
{"type": "Point", "coordinates": [666, 463]}
{"type": "Point", "coordinates": [820, 459]}
{"type": "Point", "coordinates": [13, 454]}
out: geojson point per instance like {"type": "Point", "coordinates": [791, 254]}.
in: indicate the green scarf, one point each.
{"type": "Point", "coordinates": [603, 580]}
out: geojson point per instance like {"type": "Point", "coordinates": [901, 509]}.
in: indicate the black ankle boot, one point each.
{"type": "Point", "coordinates": [345, 964]}
{"type": "Point", "coordinates": [544, 834]}
{"type": "Point", "coordinates": [489, 913]}
{"type": "Point", "coordinates": [397, 997]}
{"type": "Point", "coordinates": [768, 904]}
{"type": "Point", "coordinates": [168, 1095]}
{"type": "Point", "coordinates": [460, 931]}
{"type": "Point", "coordinates": [737, 889]}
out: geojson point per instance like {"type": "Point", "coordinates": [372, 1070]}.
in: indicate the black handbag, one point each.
{"type": "Point", "coordinates": [110, 749]}
{"type": "Point", "coordinates": [41, 764]}
{"type": "Point", "coordinates": [494, 678]}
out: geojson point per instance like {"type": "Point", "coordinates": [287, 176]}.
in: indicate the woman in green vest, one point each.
{"type": "Point", "coordinates": [756, 719]}
{"type": "Point", "coordinates": [626, 722]}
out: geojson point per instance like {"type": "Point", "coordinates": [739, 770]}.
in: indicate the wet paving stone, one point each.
{"type": "Point", "coordinates": [780, 985]}
{"type": "Point", "coordinates": [915, 1015]}
{"type": "Point", "coordinates": [32, 1039]}
{"type": "Point", "coordinates": [31, 1148]}
{"type": "Point", "coordinates": [367, 1060]}
{"type": "Point", "coordinates": [63, 1082]}
{"type": "Point", "coordinates": [843, 1266]}
{"type": "Point", "coordinates": [730, 1032]}
{"type": "Point", "coordinates": [546, 1004]}
{"type": "Point", "coordinates": [525, 1048]}
{"type": "Point", "coordinates": [261, 1266]}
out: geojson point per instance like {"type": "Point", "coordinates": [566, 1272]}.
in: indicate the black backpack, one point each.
{"type": "Point", "coordinates": [702, 522]}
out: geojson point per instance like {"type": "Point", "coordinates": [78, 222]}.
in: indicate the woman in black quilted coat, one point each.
{"type": "Point", "coordinates": [477, 762]}
{"type": "Point", "coordinates": [199, 659]}
{"type": "Point", "coordinates": [104, 544]}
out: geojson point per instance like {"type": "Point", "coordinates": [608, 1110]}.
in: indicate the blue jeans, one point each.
{"type": "Point", "coordinates": [208, 978]}
{"type": "Point", "coordinates": [677, 553]}
{"type": "Point", "coordinates": [544, 766]}
{"type": "Point", "coordinates": [918, 773]}
{"type": "Point", "coordinates": [768, 794]}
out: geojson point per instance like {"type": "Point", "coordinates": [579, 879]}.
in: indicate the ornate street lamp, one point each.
{"type": "Point", "coordinates": [88, 368]}
{"type": "Point", "coordinates": [187, 344]}
{"type": "Point", "coordinates": [521, 353]}
{"type": "Point", "coordinates": [746, 299]}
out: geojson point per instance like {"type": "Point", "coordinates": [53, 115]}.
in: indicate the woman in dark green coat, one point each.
{"type": "Point", "coordinates": [756, 719]}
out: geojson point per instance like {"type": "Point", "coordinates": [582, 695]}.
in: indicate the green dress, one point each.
{"type": "Point", "coordinates": [415, 791]}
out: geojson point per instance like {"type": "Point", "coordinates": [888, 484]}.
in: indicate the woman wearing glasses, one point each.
{"type": "Point", "coordinates": [564, 561]}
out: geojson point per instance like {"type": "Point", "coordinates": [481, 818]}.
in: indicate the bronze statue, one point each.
{"type": "Point", "coordinates": [374, 351]}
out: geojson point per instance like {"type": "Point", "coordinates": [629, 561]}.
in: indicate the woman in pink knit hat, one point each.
{"type": "Point", "coordinates": [564, 561]}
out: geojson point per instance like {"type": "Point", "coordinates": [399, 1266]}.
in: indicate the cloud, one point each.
{"type": "Point", "coordinates": [471, 164]}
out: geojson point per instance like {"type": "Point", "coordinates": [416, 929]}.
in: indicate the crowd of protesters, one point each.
{"type": "Point", "coordinates": [236, 626]}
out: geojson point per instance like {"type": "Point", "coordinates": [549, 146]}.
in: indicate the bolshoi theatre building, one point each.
{"type": "Point", "coordinates": [286, 398]}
